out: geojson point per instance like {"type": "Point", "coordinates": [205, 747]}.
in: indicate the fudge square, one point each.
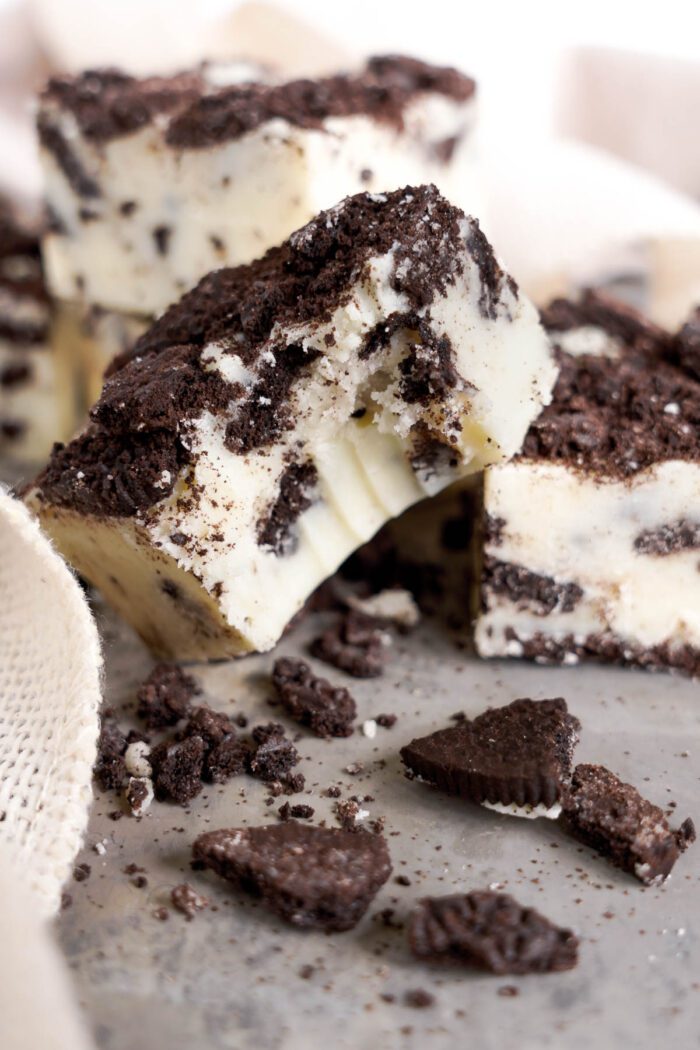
{"type": "Point", "coordinates": [152, 183]}
{"type": "Point", "coordinates": [272, 420]}
{"type": "Point", "coordinates": [591, 544]}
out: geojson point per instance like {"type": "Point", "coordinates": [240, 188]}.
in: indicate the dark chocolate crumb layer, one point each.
{"type": "Point", "coordinates": [607, 648]}
{"type": "Point", "coordinates": [599, 310]}
{"type": "Point", "coordinates": [520, 754]}
{"type": "Point", "coordinates": [108, 104]}
{"type": "Point", "coordinates": [611, 416]}
{"type": "Point", "coordinates": [613, 818]}
{"type": "Point", "coordinates": [355, 644]}
{"type": "Point", "coordinates": [326, 709]}
{"type": "Point", "coordinates": [490, 931]}
{"type": "Point", "coordinates": [322, 878]}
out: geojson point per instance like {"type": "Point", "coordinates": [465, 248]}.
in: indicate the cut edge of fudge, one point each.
{"type": "Point", "coordinates": [313, 877]}
{"type": "Point", "coordinates": [612, 817]}
{"type": "Point", "coordinates": [515, 759]}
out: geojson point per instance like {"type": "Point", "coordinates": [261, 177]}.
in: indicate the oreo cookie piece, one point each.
{"type": "Point", "coordinates": [320, 878]}
{"type": "Point", "coordinates": [613, 818]}
{"type": "Point", "coordinates": [311, 700]}
{"type": "Point", "coordinates": [490, 931]}
{"type": "Point", "coordinates": [515, 759]}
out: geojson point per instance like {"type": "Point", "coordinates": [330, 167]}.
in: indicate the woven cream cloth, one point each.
{"type": "Point", "coordinates": [50, 667]}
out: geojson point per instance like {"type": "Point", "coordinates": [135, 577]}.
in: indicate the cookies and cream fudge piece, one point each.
{"type": "Point", "coordinates": [153, 183]}
{"type": "Point", "coordinates": [515, 759]}
{"type": "Point", "coordinates": [36, 399]}
{"type": "Point", "coordinates": [592, 535]}
{"type": "Point", "coordinates": [270, 422]}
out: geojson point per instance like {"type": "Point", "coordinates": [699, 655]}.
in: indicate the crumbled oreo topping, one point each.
{"type": "Point", "coordinates": [327, 710]}
{"type": "Point", "coordinates": [164, 697]}
{"type": "Point", "coordinates": [611, 416]}
{"type": "Point", "coordinates": [599, 310]}
{"type": "Point", "coordinates": [355, 644]}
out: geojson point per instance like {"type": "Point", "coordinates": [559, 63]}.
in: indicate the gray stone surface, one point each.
{"type": "Point", "coordinates": [231, 978]}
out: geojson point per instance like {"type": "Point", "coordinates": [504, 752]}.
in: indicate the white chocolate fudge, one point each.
{"type": "Point", "coordinates": [591, 542]}
{"type": "Point", "coordinates": [37, 403]}
{"type": "Point", "coordinates": [273, 420]}
{"type": "Point", "coordinates": [153, 183]}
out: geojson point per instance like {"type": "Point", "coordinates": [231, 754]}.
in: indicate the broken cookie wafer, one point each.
{"type": "Point", "coordinates": [613, 818]}
{"type": "Point", "coordinates": [515, 759]}
{"type": "Point", "coordinates": [490, 931]}
{"type": "Point", "coordinates": [322, 878]}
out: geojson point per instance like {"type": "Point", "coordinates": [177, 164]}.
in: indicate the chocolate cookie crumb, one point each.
{"type": "Point", "coordinates": [387, 721]}
{"type": "Point", "coordinates": [419, 998]}
{"type": "Point", "coordinates": [613, 818]}
{"type": "Point", "coordinates": [227, 759]}
{"type": "Point", "coordinates": [164, 697]}
{"type": "Point", "coordinates": [274, 754]}
{"type": "Point", "coordinates": [177, 769]}
{"type": "Point", "coordinates": [355, 644]}
{"type": "Point", "coordinates": [490, 931]}
{"type": "Point", "coordinates": [313, 701]}
{"type": "Point", "coordinates": [313, 877]}
{"type": "Point", "coordinates": [110, 767]}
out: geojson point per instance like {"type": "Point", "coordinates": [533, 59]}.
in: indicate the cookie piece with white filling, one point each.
{"type": "Point", "coordinates": [514, 759]}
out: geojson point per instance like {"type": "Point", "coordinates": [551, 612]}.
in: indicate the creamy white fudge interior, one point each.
{"type": "Point", "coordinates": [36, 399]}
{"type": "Point", "coordinates": [592, 535]}
{"type": "Point", "coordinates": [272, 420]}
{"type": "Point", "coordinates": [153, 183]}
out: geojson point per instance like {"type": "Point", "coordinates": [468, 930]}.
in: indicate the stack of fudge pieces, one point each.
{"type": "Point", "coordinates": [37, 399]}
{"type": "Point", "coordinates": [309, 389]}
{"type": "Point", "coordinates": [153, 183]}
